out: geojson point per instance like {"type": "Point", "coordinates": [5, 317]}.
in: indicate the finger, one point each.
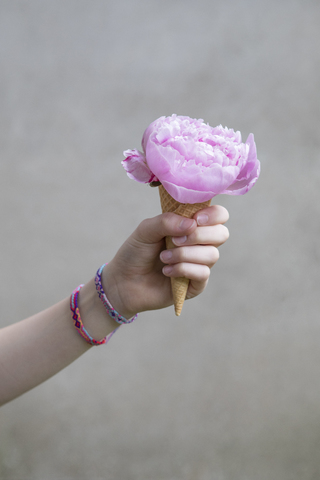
{"type": "Point", "coordinates": [195, 288]}
{"type": "Point", "coordinates": [215, 235]}
{"type": "Point", "coordinates": [198, 254]}
{"type": "Point", "coordinates": [197, 274]}
{"type": "Point", "coordinates": [192, 271]}
{"type": "Point", "coordinates": [154, 229]}
{"type": "Point", "coordinates": [212, 215]}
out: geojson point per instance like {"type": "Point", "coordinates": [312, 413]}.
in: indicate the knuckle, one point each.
{"type": "Point", "coordinates": [224, 214]}
{"type": "Point", "coordinates": [220, 214]}
{"type": "Point", "coordinates": [224, 232]}
{"type": "Point", "coordinates": [142, 226]}
{"type": "Point", "coordinates": [227, 233]}
{"type": "Point", "coordinates": [165, 218]}
{"type": "Point", "coordinates": [215, 255]}
{"type": "Point", "coordinates": [206, 273]}
{"type": "Point", "coordinates": [182, 269]}
{"type": "Point", "coordinates": [166, 223]}
{"type": "Point", "coordinates": [170, 223]}
{"type": "Point", "coordinates": [181, 254]}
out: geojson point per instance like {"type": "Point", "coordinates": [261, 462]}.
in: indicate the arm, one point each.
{"type": "Point", "coordinates": [136, 280]}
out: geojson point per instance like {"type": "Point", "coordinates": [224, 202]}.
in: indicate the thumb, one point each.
{"type": "Point", "coordinates": [152, 230]}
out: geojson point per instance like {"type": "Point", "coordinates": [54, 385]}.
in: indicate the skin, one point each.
{"type": "Point", "coordinates": [136, 280]}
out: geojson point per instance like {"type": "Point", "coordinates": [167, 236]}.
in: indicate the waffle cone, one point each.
{"type": "Point", "coordinates": [168, 204]}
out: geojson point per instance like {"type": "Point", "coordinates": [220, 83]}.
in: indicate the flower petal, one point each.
{"type": "Point", "coordinates": [136, 167]}
{"type": "Point", "coordinates": [249, 173]}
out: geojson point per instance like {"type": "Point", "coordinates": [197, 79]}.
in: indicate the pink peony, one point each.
{"type": "Point", "coordinates": [193, 161]}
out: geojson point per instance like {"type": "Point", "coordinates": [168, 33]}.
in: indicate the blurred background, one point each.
{"type": "Point", "coordinates": [231, 389]}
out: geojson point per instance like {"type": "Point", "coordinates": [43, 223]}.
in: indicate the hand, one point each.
{"type": "Point", "coordinates": [137, 279]}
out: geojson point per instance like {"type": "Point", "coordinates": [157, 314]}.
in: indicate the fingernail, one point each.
{"type": "Point", "coordinates": [166, 255]}
{"type": "Point", "coordinates": [179, 240]}
{"type": "Point", "coordinates": [202, 219]}
{"type": "Point", "coordinates": [186, 223]}
{"type": "Point", "coordinates": [167, 270]}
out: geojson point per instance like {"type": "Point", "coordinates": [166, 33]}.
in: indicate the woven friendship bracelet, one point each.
{"type": "Point", "coordinates": [78, 323]}
{"type": "Point", "coordinates": [111, 311]}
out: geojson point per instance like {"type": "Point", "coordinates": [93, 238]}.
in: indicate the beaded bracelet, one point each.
{"type": "Point", "coordinates": [111, 311]}
{"type": "Point", "coordinates": [78, 323]}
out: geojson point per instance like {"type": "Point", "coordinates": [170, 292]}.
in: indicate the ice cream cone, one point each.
{"type": "Point", "coordinates": [168, 204]}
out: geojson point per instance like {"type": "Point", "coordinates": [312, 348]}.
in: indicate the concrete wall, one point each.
{"type": "Point", "coordinates": [231, 390]}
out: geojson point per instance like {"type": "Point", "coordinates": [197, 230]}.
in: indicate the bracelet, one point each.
{"type": "Point", "coordinates": [78, 322]}
{"type": "Point", "coordinates": [111, 311]}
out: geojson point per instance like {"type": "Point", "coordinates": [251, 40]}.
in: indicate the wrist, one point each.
{"type": "Point", "coordinates": [115, 292]}
{"type": "Point", "coordinates": [94, 316]}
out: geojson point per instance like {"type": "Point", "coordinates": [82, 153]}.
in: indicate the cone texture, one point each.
{"type": "Point", "coordinates": [168, 204]}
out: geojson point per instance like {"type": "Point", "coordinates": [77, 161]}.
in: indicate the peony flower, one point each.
{"type": "Point", "coordinates": [193, 161]}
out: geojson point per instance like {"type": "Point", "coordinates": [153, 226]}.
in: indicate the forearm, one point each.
{"type": "Point", "coordinates": [136, 280]}
{"type": "Point", "coordinates": [33, 350]}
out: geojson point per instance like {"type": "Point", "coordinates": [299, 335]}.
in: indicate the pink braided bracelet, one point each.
{"type": "Point", "coordinates": [78, 322]}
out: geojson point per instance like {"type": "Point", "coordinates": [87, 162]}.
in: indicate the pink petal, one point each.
{"type": "Point", "coordinates": [249, 174]}
{"type": "Point", "coordinates": [136, 167]}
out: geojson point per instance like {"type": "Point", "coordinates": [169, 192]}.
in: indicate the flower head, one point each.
{"type": "Point", "coordinates": [193, 161]}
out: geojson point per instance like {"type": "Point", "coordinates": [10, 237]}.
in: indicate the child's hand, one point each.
{"type": "Point", "coordinates": [137, 279]}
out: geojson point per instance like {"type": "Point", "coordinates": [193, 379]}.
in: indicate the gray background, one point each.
{"type": "Point", "coordinates": [231, 390]}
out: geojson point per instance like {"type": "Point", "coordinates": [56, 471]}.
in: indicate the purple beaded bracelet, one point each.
{"type": "Point", "coordinates": [78, 323]}
{"type": "Point", "coordinates": [111, 311]}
